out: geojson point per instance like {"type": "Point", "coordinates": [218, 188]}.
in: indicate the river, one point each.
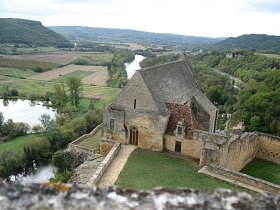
{"type": "Point", "coordinates": [39, 175]}
{"type": "Point", "coordinates": [24, 111]}
{"type": "Point", "coordinates": [28, 112]}
{"type": "Point", "coordinates": [131, 67]}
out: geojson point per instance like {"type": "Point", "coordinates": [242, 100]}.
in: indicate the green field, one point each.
{"type": "Point", "coordinates": [78, 74]}
{"type": "Point", "coordinates": [146, 170]}
{"type": "Point", "coordinates": [96, 59]}
{"type": "Point", "coordinates": [92, 142]}
{"type": "Point", "coordinates": [26, 64]}
{"type": "Point", "coordinates": [263, 169]}
{"type": "Point", "coordinates": [17, 144]}
{"type": "Point", "coordinates": [16, 73]}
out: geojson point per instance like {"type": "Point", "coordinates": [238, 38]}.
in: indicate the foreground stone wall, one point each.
{"type": "Point", "coordinates": [62, 197]}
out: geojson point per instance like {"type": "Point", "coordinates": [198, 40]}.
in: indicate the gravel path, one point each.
{"type": "Point", "coordinates": [114, 169]}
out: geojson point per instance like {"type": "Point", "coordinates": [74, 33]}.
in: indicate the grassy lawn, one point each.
{"type": "Point", "coordinates": [78, 74]}
{"type": "Point", "coordinates": [263, 169]}
{"type": "Point", "coordinates": [146, 170]}
{"type": "Point", "coordinates": [92, 142]}
{"type": "Point", "coordinates": [17, 144]}
{"type": "Point", "coordinates": [16, 73]}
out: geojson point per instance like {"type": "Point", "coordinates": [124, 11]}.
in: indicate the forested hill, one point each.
{"type": "Point", "coordinates": [75, 33]}
{"type": "Point", "coordinates": [29, 32]}
{"type": "Point", "coordinates": [250, 41]}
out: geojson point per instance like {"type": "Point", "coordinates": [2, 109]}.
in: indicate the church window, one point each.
{"type": "Point", "coordinates": [134, 103]}
{"type": "Point", "coordinates": [112, 124]}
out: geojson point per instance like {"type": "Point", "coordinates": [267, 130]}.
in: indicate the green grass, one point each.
{"type": "Point", "coordinates": [92, 142]}
{"type": "Point", "coordinates": [26, 64]}
{"type": "Point", "coordinates": [17, 73]}
{"type": "Point", "coordinates": [263, 169]}
{"type": "Point", "coordinates": [17, 144]}
{"type": "Point", "coordinates": [146, 170]}
{"type": "Point", "coordinates": [96, 58]}
{"type": "Point", "coordinates": [78, 74]}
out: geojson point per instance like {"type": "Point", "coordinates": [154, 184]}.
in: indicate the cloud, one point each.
{"type": "Point", "coordinates": [266, 6]}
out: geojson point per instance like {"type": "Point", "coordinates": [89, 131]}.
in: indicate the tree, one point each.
{"type": "Point", "coordinates": [60, 97]}
{"type": "Point", "coordinates": [45, 119]}
{"type": "Point", "coordinates": [1, 119]}
{"type": "Point", "coordinates": [74, 85]}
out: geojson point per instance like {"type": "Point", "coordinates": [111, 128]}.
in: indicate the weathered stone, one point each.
{"type": "Point", "coordinates": [49, 196]}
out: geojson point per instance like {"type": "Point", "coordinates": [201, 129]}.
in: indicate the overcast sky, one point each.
{"type": "Point", "coordinates": [213, 18]}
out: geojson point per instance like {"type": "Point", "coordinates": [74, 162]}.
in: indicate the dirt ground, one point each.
{"type": "Point", "coordinates": [98, 77]}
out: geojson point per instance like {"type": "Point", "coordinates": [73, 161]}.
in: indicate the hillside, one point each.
{"type": "Point", "coordinates": [29, 32]}
{"type": "Point", "coordinates": [250, 41]}
{"type": "Point", "coordinates": [76, 33]}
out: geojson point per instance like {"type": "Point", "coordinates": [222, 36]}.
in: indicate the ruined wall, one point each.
{"type": "Point", "coordinates": [189, 147]}
{"type": "Point", "coordinates": [200, 114]}
{"type": "Point", "coordinates": [269, 147]}
{"type": "Point", "coordinates": [229, 152]}
{"type": "Point", "coordinates": [239, 151]}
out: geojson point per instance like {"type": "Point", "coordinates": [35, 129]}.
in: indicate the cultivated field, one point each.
{"type": "Point", "coordinates": [26, 64]}
{"type": "Point", "coordinates": [135, 46]}
{"type": "Point", "coordinates": [99, 74]}
{"type": "Point", "coordinates": [60, 57]}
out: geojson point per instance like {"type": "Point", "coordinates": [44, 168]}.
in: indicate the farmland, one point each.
{"type": "Point", "coordinates": [96, 75]}
{"type": "Point", "coordinates": [26, 64]}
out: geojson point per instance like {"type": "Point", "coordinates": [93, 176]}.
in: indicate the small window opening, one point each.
{"type": "Point", "coordinates": [112, 124]}
{"type": "Point", "coordinates": [134, 103]}
{"type": "Point", "coordinates": [180, 130]}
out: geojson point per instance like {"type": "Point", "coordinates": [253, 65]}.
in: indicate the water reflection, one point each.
{"type": "Point", "coordinates": [130, 67]}
{"type": "Point", "coordinates": [24, 111]}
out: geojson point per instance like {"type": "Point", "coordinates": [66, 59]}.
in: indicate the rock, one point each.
{"type": "Point", "coordinates": [59, 196]}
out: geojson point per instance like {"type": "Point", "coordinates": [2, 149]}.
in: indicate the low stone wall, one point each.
{"type": "Point", "coordinates": [106, 162]}
{"type": "Point", "coordinates": [238, 177]}
{"type": "Point", "coordinates": [73, 146]}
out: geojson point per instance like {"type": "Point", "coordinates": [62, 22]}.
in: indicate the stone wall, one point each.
{"type": "Point", "coordinates": [150, 125]}
{"type": "Point", "coordinates": [235, 152]}
{"type": "Point", "coordinates": [189, 147]}
{"type": "Point", "coordinates": [69, 197]}
{"type": "Point", "coordinates": [73, 146]}
{"type": "Point", "coordinates": [242, 180]}
{"type": "Point", "coordinates": [105, 163]}
{"type": "Point", "coordinates": [269, 147]}
{"type": "Point", "coordinates": [239, 151]}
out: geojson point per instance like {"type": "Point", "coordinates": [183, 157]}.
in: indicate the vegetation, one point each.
{"type": "Point", "coordinates": [256, 101]}
{"type": "Point", "coordinates": [263, 169]}
{"type": "Point", "coordinates": [28, 32]}
{"type": "Point", "coordinates": [250, 41]}
{"type": "Point", "coordinates": [27, 64]}
{"type": "Point", "coordinates": [164, 170]}
{"type": "Point", "coordinates": [117, 72]}
{"type": "Point", "coordinates": [94, 59]}
{"type": "Point", "coordinates": [153, 61]}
